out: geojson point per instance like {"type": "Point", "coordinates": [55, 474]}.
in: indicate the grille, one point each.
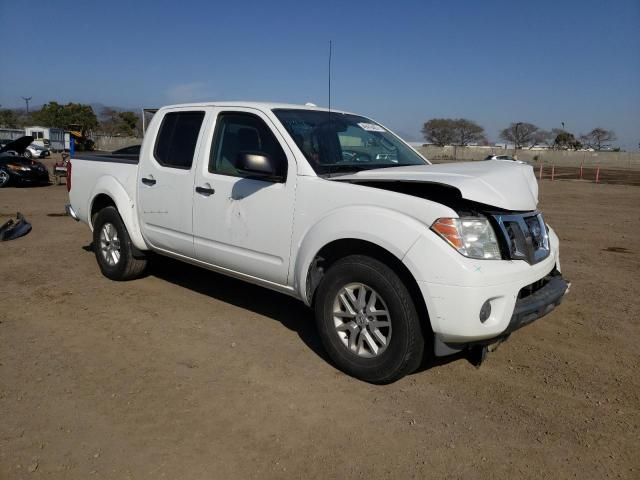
{"type": "Point", "coordinates": [524, 236]}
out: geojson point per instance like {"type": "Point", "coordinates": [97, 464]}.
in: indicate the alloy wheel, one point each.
{"type": "Point", "coordinates": [361, 319]}
{"type": "Point", "coordinates": [110, 244]}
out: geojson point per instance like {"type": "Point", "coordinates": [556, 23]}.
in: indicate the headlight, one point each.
{"type": "Point", "coordinates": [473, 237]}
{"type": "Point", "coordinates": [14, 167]}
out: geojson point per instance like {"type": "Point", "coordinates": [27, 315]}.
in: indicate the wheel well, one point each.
{"type": "Point", "coordinates": [99, 202]}
{"type": "Point", "coordinates": [338, 249]}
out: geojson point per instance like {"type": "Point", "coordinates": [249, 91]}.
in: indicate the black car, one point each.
{"type": "Point", "coordinates": [15, 168]}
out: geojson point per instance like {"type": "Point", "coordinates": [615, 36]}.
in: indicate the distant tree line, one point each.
{"type": "Point", "coordinates": [463, 132]}
{"type": "Point", "coordinates": [75, 116]}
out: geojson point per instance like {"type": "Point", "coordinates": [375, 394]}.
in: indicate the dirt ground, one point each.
{"type": "Point", "coordinates": [187, 374]}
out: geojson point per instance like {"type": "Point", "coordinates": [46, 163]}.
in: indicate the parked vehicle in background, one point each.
{"type": "Point", "coordinates": [500, 157]}
{"type": "Point", "coordinates": [508, 158]}
{"type": "Point", "coordinates": [36, 151]}
{"type": "Point", "coordinates": [50, 137]}
{"type": "Point", "coordinates": [396, 256]}
{"type": "Point", "coordinates": [17, 169]}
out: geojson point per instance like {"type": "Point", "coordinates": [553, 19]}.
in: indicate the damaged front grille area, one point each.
{"type": "Point", "coordinates": [532, 288]}
{"type": "Point", "coordinates": [524, 236]}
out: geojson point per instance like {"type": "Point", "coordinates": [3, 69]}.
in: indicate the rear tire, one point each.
{"type": "Point", "coordinates": [113, 248]}
{"type": "Point", "coordinates": [351, 302]}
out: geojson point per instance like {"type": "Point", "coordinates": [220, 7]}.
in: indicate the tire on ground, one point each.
{"type": "Point", "coordinates": [128, 266]}
{"type": "Point", "coordinates": [405, 350]}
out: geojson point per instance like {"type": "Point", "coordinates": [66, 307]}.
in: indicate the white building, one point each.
{"type": "Point", "coordinates": [51, 137]}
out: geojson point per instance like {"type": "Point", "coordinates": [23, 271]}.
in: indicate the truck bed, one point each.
{"type": "Point", "coordinates": [94, 173]}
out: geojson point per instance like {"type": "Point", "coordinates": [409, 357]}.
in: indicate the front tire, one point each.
{"type": "Point", "coordinates": [368, 321]}
{"type": "Point", "coordinates": [27, 154]}
{"type": "Point", "coordinates": [113, 248]}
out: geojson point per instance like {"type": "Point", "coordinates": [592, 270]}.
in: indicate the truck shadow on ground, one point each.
{"type": "Point", "coordinates": [291, 313]}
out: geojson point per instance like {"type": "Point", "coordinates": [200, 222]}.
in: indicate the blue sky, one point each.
{"type": "Point", "coordinates": [401, 62]}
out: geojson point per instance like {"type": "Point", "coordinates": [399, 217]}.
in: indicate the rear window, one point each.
{"type": "Point", "coordinates": [177, 139]}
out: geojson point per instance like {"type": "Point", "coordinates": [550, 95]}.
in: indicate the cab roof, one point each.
{"type": "Point", "coordinates": [257, 105]}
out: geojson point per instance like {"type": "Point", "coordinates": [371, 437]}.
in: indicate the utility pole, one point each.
{"type": "Point", "coordinates": [27, 100]}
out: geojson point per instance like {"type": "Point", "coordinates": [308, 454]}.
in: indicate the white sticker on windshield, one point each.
{"type": "Point", "coordinates": [371, 127]}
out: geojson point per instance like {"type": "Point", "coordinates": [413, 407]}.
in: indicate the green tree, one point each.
{"type": "Point", "coordinates": [50, 115]}
{"type": "Point", "coordinates": [565, 140]}
{"type": "Point", "coordinates": [119, 123]}
{"type": "Point", "coordinates": [8, 119]}
{"type": "Point", "coordinates": [72, 115]}
{"type": "Point", "coordinates": [129, 123]}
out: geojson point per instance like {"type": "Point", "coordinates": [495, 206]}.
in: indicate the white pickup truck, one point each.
{"type": "Point", "coordinates": [400, 259]}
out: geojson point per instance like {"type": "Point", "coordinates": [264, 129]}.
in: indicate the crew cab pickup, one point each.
{"type": "Point", "coordinates": [400, 259]}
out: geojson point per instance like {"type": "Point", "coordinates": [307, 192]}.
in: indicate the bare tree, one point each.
{"type": "Point", "coordinates": [439, 131]}
{"type": "Point", "coordinates": [598, 138]}
{"type": "Point", "coordinates": [108, 120]}
{"type": "Point", "coordinates": [467, 131]}
{"type": "Point", "coordinates": [449, 131]}
{"type": "Point", "coordinates": [520, 134]}
{"type": "Point", "coordinates": [542, 137]}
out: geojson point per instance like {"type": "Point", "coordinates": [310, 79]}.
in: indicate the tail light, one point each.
{"type": "Point", "coordinates": [69, 176]}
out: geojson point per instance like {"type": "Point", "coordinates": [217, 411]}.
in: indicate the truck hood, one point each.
{"type": "Point", "coordinates": [503, 184]}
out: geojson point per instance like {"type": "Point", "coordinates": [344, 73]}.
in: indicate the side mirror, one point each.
{"type": "Point", "coordinates": [257, 165]}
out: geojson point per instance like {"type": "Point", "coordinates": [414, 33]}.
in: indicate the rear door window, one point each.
{"type": "Point", "coordinates": [177, 139]}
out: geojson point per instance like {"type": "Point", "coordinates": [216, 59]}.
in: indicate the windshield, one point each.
{"type": "Point", "coordinates": [337, 142]}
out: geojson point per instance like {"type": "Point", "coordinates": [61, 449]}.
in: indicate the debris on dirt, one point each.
{"type": "Point", "coordinates": [616, 250]}
{"type": "Point", "coordinates": [12, 229]}
{"type": "Point", "coordinates": [33, 466]}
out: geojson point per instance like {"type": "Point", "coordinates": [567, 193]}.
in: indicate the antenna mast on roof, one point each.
{"type": "Point", "coordinates": [330, 49]}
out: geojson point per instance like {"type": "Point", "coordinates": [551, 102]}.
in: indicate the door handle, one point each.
{"type": "Point", "coordinates": [205, 191]}
{"type": "Point", "coordinates": [148, 181]}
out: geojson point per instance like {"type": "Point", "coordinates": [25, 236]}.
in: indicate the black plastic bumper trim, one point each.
{"type": "Point", "coordinates": [538, 304]}
{"type": "Point", "coordinates": [526, 311]}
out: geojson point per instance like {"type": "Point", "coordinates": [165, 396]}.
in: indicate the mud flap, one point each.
{"type": "Point", "coordinates": [478, 353]}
